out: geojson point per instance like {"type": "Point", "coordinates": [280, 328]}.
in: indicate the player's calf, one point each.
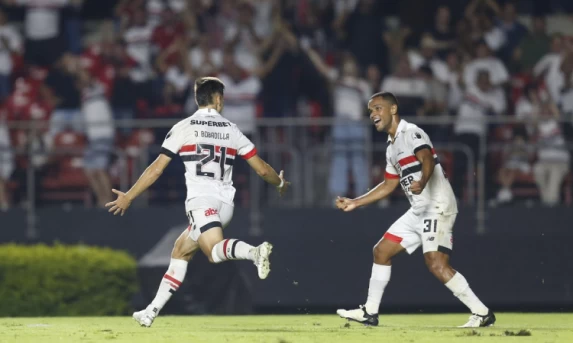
{"type": "Point", "coordinates": [439, 265]}
{"type": "Point", "coordinates": [183, 250]}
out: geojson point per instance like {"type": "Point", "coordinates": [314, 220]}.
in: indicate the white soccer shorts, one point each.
{"type": "Point", "coordinates": [206, 213]}
{"type": "Point", "coordinates": [433, 231]}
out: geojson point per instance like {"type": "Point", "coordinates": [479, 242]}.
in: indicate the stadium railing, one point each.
{"type": "Point", "coordinates": [300, 146]}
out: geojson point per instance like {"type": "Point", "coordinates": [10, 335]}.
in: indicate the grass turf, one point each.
{"type": "Point", "coordinates": [510, 327]}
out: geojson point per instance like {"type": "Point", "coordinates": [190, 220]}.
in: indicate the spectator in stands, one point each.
{"type": "Point", "coordinates": [362, 30]}
{"type": "Point", "coordinates": [349, 93]}
{"type": "Point", "coordinates": [455, 82]}
{"type": "Point", "coordinates": [427, 57]}
{"type": "Point", "coordinates": [73, 25]}
{"type": "Point", "coordinates": [480, 101]}
{"type": "Point", "coordinates": [373, 77]}
{"type": "Point", "coordinates": [44, 41]}
{"type": "Point", "coordinates": [243, 87]}
{"type": "Point", "coordinates": [204, 58]}
{"type": "Point", "coordinates": [442, 33]}
{"type": "Point", "coordinates": [6, 162]}
{"type": "Point", "coordinates": [137, 39]}
{"type": "Point", "coordinates": [514, 31]}
{"type": "Point", "coordinates": [549, 67]}
{"type": "Point", "coordinates": [10, 45]}
{"type": "Point", "coordinates": [410, 89]}
{"type": "Point", "coordinates": [533, 46]}
{"type": "Point", "coordinates": [484, 60]}
{"type": "Point", "coordinates": [552, 155]}
{"type": "Point", "coordinates": [124, 92]}
{"type": "Point", "coordinates": [100, 134]}
{"type": "Point", "coordinates": [435, 104]}
{"type": "Point", "coordinates": [481, 14]}
{"type": "Point", "coordinates": [64, 97]}
{"type": "Point", "coordinates": [245, 37]}
{"type": "Point", "coordinates": [516, 159]}
{"type": "Point", "coordinates": [178, 76]}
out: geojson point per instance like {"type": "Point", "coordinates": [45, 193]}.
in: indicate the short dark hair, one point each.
{"type": "Point", "coordinates": [391, 98]}
{"type": "Point", "coordinates": [205, 88]}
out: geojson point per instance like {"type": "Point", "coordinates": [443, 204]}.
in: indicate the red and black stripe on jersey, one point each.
{"type": "Point", "coordinates": [412, 164]}
{"type": "Point", "coordinates": [191, 154]}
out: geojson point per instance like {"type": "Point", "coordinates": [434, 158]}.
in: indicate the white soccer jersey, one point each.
{"type": "Point", "coordinates": [401, 162]}
{"type": "Point", "coordinates": [208, 144]}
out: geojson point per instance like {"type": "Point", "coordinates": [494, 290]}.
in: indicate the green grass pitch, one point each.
{"type": "Point", "coordinates": [539, 327]}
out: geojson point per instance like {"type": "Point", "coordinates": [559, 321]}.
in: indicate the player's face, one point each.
{"type": "Point", "coordinates": [380, 113]}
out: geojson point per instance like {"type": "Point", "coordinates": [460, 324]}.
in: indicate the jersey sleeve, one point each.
{"type": "Point", "coordinates": [391, 172]}
{"type": "Point", "coordinates": [245, 148]}
{"type": "Point", "coordinates": [172, 142]}
{"type": "Point", "coordinates": [417, 140]}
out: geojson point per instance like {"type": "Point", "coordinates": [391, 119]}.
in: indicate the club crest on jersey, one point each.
{"type": "Point", "coordinates": [416, 135]}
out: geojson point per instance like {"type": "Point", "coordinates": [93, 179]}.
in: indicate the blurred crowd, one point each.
{"type": "Point", "coordinates": [465, 60]}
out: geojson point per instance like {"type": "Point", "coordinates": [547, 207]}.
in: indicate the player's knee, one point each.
{"type": "Point", "coordinates": [380, 255]}
{"type": "Point", "coordinates": [436, 266]}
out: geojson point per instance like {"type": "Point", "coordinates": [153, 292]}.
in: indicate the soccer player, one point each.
{"type": "Point", "coordinates": [208, 144]}
{"type": "Point", "coordinates": [412, 163]}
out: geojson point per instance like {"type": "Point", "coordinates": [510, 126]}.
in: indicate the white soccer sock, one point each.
{"type": "Point", "coordinates": [232, 249]}
{"type": "Point", "coordinates": [169, 284]}
{"type": "Point", "coordinates": [378, 281]}
{"type": "Point", "coordinates": [461, 289]}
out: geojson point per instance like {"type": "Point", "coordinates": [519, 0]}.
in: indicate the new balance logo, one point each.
{"type": "Point", "coordinates": [211, 212]}
{"type": "Point", "coordinates": [430, 239]}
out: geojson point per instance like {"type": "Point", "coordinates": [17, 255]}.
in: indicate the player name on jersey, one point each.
{"type": "Point", "coordinates": [215, 135]}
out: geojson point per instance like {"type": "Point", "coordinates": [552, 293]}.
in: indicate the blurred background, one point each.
{"type": "Point", "coordinates": [89, 89]}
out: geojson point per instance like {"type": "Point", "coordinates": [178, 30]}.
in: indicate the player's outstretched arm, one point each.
{"type": "Point", "coordinates": [149, 176]}
{"type": "Point", "coordinates": [267, 173]}
{"type": "Point", "coordinates": [378, 193]}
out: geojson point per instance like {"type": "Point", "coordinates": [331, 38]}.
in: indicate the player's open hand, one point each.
{"type": "Point", "coordinates": [282, 190]}
{"type": "Point", "coordinates": [416, 187]}
{"type": "Point", "coordinates": [120, 205]}
{"type": "Point", "coordinates": [345, 204]}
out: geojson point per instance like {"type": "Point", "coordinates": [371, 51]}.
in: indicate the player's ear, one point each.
{"type": "Point", "coordinates": [394, 109]}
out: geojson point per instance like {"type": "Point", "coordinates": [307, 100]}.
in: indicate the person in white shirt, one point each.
{"type": "Point", "coordinates": [44, 41]}
{"type": "Point", "coordinates": [412, 163]}
{"type": "Point", "coordinates": [349, 91]}
{"type": "Point", "coordinates": [553, 158]}
{"type": "Point", "coordinates": [480, 100]}
{"type": "Point", "coordinates": [10, 43]}
{"type": "Point", "coordinates": [411, 89]}
{"type": "Point", "coordinates": [485, 61]}
{"type": "Point", "coordinates": [100, 132]}
{"type": "Point", "coordinates": [549, 68]}
{"type": "Point", "coordinates": [427, 56]}
{"type": "Point", "coordinates": [208, 144]}
{"type": "Point", "coordinates": [137, 38]}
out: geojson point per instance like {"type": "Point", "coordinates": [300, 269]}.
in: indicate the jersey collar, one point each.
{"type": "Point", "coordinates": [401, 128]}
{"type": "Point", "coordinates": [207, 111]}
